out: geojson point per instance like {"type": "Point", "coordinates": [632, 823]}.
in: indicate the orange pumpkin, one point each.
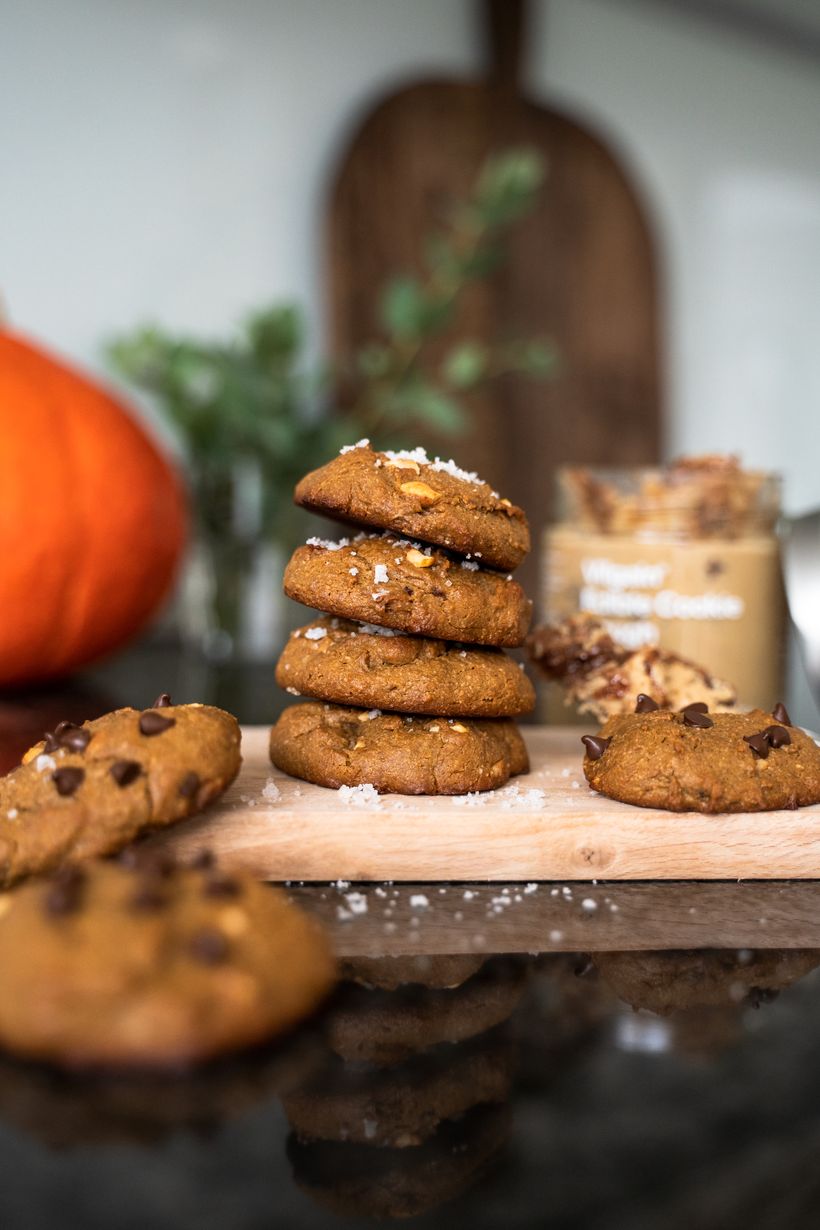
{"type": "Point", "coordinates": [92, 518]}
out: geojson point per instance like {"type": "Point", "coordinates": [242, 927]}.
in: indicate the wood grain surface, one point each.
{"type": "Point", "coordinates": [581, 269]}
{"type": "Point", "coordinates": [545, 826]}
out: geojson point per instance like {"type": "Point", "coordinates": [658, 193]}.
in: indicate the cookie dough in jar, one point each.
{"type": "Point", "coordinates": [685, 557]}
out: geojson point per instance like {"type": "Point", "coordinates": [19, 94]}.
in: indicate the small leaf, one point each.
{"type": "Point", "coordinates": [403, 308]}
{"type": "Point", "coordinates": [465, 365]}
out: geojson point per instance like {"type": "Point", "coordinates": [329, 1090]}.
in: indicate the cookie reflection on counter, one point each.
{"type": "Point", "coordinates": [694, 1001]}
{"type": "Point", "coordinates": [410, 1105]}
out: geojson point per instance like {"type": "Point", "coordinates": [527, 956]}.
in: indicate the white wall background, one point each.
{"type": "Point", "coordinates": [167, 159]}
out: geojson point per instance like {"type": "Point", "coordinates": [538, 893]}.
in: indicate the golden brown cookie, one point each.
{"type": "Point", "coordinates": [148, 965]}
{"type": "Point", "coordinates": [696, 761]}
{"type": "Point", "coordinates": [91, 789]}
{"type": "Point", "coordinates": [333, 746]}
{"type": "Point", "coordinates": [389, 581]}
{"type": "Point", "coordinates": [362, 664]}
{"type": "Point", "coordinates": [412, 495]}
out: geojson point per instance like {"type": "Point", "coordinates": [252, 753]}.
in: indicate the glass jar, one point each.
{"type": "Point", "coordinates": [685, 557]}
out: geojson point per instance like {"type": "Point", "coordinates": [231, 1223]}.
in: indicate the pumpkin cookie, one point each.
{"type": "Point", "coordinates": [91, 789]}
{"type": "Point", "coordinates": [696, 761]}
{"type": "Point", "coordinates": [332, 746]}
{"type": "Point", "coordinates": [398, 584]}
{"type": "Point", "coordinates": [412, 495]}
{"type": "Point", "coordinates": [362, 664]}
{"type": "Point", "coordinates": [150, 965]}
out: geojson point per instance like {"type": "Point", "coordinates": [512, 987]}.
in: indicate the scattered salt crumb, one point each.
{"type": "Point", "coordinates": [556, 936]}
{"type": "Point", "coordinates": [480, 941]}
{"type": "Point", "coordinates": [354, 572]}
{"type": "Point", "coordinates": [364, 795]}
{"type": "Point", "coordinates": [13, 813]}
{"type": "Point", "coordinates": [566, 772]}
{"type": "Point", "coordinates": [44, 762]}
{"type": "Point", "coordinates": [470, 565]}
{"type": "Point", "coordinates": [378, 593]}
{"type": "Point", "coordinates": [458, 916]}
{"type": "Point", "coordinates": [341, 884]}
{"type": "Point", "coordinates": [589, 904]}
{"type": "Point", "coordinates": [293, 691]}
{"type": "Point", "coordinates": [468, 894]}
{"type": "Point", "coordinates": [531, 887]}
{"type": "Point", "coordinates": [380, 892]}
{"type": "Point", "coordinates": [342, 914]}
{"type": "Point", "coordinates": [315, 634]}
{"type": "Point", "coordinates": [348, 448]}
{"type": "Point", "coordinates": [514, 797]}
{"type": "Point", "coordinates": [613, 907]}
{"type": "Point", "coordinates": [474, 799]}
{"type": "Point", "coordinates": [357, 903]}
{"type": "Point", "coordinates": [380, 576]}
{"type": "Point", "coordinates": [576, 785]}
{"type": "Point", "coordinates": [271, 792]}
{"type": "Point", "coordinates": [327, 544]}
{"type": "Point", "coordinates": [371, 714]}
{"type": "Point", "coordinates": [418, 901]}
{"type": "Point", "coordinates": [376, 630]}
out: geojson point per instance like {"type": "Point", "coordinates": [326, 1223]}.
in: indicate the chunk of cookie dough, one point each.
{"type": "Point", "coordinates": [361, 664]}
{"type": "Point", "coordinates": [380, 579]}
{"type": "Point", "coordinates": [90, 790]}
{"type": "Point", "coordinates": [332, 746]}
{"type": "Point", "coordinates": [413, 495]}
{"type": "Point", "coordinates": [697, 761]}
{"type": "Point", "coordinates": [149, 965]}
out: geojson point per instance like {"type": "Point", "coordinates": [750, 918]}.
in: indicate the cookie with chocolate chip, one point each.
{"type": "Point", "coordinates": [694, 760]}
{"type": "Point", "coordinates": [419, 497]}
{"type": "Point", "coordinates": [334, 746]}
{"type": "Point", "coordinates": [389, 581]}
{"type": "Point", "coordinates": [361, 664]}
{"type": "Point", "coordinates": [151, 965]}
{"type": "Point", "coordinates": [91, 789]}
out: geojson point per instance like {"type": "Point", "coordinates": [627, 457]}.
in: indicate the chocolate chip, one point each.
{"type": "Point", "coordinates": [50, 743]}
{"type": "Point", "coordinates": [595, 745]}
{"type": "Point", "coordinates": [148, 897]}
{"type": "Point", "coordinates": [697, 706]}
{"type": "Point", "coordinates": [408, 589]}
{"type": "Point", "coordinates": [209, 946]}
{"type": "Point", "coordinates": [781, 714]}
{"type": "Point", "coordinates": [163, 701]}
{"type": "Point", "coordinates": [778, 736]}
{"type": "Point", "coordinates": [203, 860]}
{"type": "Point", "coordinates": [759, 744]}
{"type": "Point", "coordinates": [714, 568]}
{"type": "Point", "coordinates": [437, 593]}
{"type": "Point", "coordinates": [153, 723]}
{"type": "Point", "coordinates": [67, 780]}
{"type": "Point", "coordinates": [189, 785]}
{"type": "Point", "coordinates": [150, 863]}
{"type": "Point", "coordinates": [645, 704]}
{"type": "Point", "coordinates": [76, 739]}
{"type": "Point", "coordinates": [696, 715]}
{"type": "Point", "coordinates": [64, 893]}
{"type": "Point", "coordinates": [221, 886]}
{"type": "Point", "coordinates": [124, 772]}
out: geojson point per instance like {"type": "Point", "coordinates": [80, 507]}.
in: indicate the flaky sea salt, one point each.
{"type": "Point", "coordinates": [379, 593]}
{"type": "Point", "coordinates": [474, 799]}
{"type": "Point", "coordinates": [348, 448]}
{"type": "Point", "coordinates": [44, 762]}
{"type": "Point", "coordinates": [513, 797]}
{"type": "Point", "coordinates": [418, 901]}
{"type": "Point", "coordinates": [589, 904]}
{"type": "Point", "coordinates": [380, 576]}
{"type": "Point", "coordinates": [12, 813]}
{"type": "Point", "coordinates": [365, 795]}
{"type": "Point", "coordinates": [315, 634]}
{"type": "Point", "coordinates": [327, 544]}
{"type": "Point", "coordinates": [354, 572]}
{"type": "Point", "coordinates": [271, 792]}
{"type": "Point", "coordinates": [376, 630]}
{"type": "Point", "coordinates": [470, 565]}
{"type": "Point", "coordinates": [356, 903]}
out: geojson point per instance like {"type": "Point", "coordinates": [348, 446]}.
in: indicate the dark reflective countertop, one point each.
{"type": "Point", "coordinates": [593, 1056]}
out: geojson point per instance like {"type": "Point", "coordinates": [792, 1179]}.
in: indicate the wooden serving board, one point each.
{"type": "Point", "coordinates": [545, 826]}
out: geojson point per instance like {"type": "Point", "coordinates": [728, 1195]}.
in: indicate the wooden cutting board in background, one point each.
{"type": "Point", "coordinates": [581, 269]}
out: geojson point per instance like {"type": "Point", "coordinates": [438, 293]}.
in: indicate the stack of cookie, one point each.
{"type": "Point", "coordinates": [417, 693]}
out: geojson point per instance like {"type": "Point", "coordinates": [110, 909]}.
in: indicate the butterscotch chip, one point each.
{"type": "Point", "coordinates": [357, 664]}
{"type": "Point", "coordinates": [378, 579]}
{"type": "Point", "coordinates": [90, 790]}
{"type": "Point", "coordinates": [328, 745]}
{"type": "Point", "coordinates": [677, 762]}
{"type": "Point", "coordinates": [109, 984]}
{"type": "Point", "coordinates": [446, 506]}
